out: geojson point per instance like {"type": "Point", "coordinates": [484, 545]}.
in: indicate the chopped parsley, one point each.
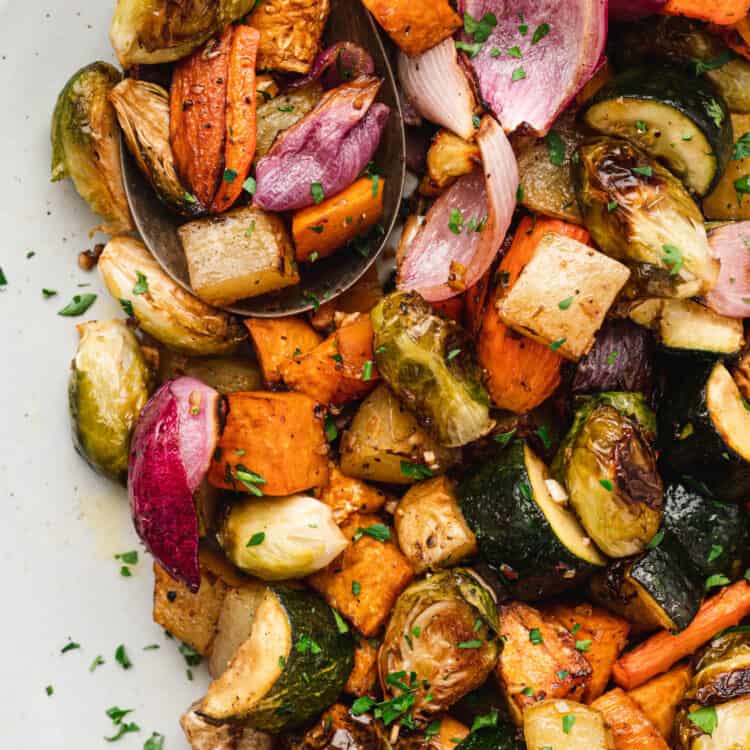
{"type": "Point", "coordinates": [519, 193]}
{"type": "Point", "coordinates": [742, 148]}
{"type": "Point", "coordinates": [356, 588]}
{"type": "Point", "coordinates": [189, 198]}
{"type": "Point", "coordinates": [250, 228]}
{"type": "Point", "coordinates": [673, 259]}
{"type": "Point", "coordinates": [607, 484]}
{"type": "Point", "coordinates": [415, 471]}
{"type": "Point", "coordinates": [456, 221]}
{"type": "Point", "coordinates": [258, 538]}
{"type": "Point", "coordinates": [121, 657]}
{"type": "Point", "coordinates": [249, 479]}
{"type": "Point", "coordinates": [367, 370]}
{"type": "Point", "coordinates": [471, 49]}
{"type": "Point", "coordinates": [332, 432]}
{"type": "Point", "coordinates": [612, 206]}
{"type": "Point", "coordinates": [316, 190]}
{"type": "Point", "coordinates": [129, 558]}
{"type": "Point", "coordinates": [505, 437]}
{"type": "Point", "coordinates": [484, 721]}
{"type": "Point", "coordinates": [715, 581]}
{"type": "Point", "coordinates": [716, 552]}
{"type": "Point", "coordinates": [583, 646]}
{"type": "Point", "coordinates": [305, 645]}
{"type": "Point", "coordinates": [518, 74]}
{"type": "Point", "coordinates": [154, 742]}
{"type": "Point", "coordinates": [656, 539]}
{"type": "Point", "coordinates": [564, 304]}
{"type": "Point", "coordinates": [555, 148]}
{"type": "Point", "coordinates": [78, 305]}
{"type": "Point", "coordinates": [127, 307]}
{"type": "Point", "coordinates": [313, 300]}
{"type": "Point", "coordinates": [612, 357]}
{"type": "Point", "coordinates": [742, 186]}
{"type": "Point", "coordinates": [645, 171]}
{"type": "Point", "coordinates": [715, 111]}
{"type": "Point", "coordinates": [705, 719]}
{"type": "Point", "coordinates": [515, 52]}
{"type": "Point", "coordinates": [47, 293]}
{"type": "Point", "coordinates": [49, 690]}
{"type": "Point", "coordinates": [70, 646]}
{"type": "Point", "coordinates": [98, 661]}
{"type": "Point", "coordinates": [230, 175]}
{"type": "Point", "coordinates": [480, 29]}
{"type": "Point", "coordinates": [286, 108]}
{"type": "Point", "coordinates": [452, 354]}
{"type": "Point", "coordinates": [567, 723]}
{"type": "Point", "coordinates": [555, 345]}
{"type": "Point", "coordinates": [377, 531]}
{"type": "Point", "coordinates": [535, 636]}
{"type": "Point", "coordinates": [340, 624]}
{"type": "Point", "coordinates": [249, 186]}
{"type": "Point", "coordinates": [703, 66]}
{"type": "Point", "coordinates": [117, 715]}
{"type": "Point", "coordinates": [540, 32]}
{"type": "Point", "coordinates": [470, 644]}
{"type": "Point", "coordinates": [141, 283]}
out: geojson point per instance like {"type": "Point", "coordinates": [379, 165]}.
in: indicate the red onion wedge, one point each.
{"type": "Point", "coordinates": [172, 445]}
{"type": "Point", "coordinates": [465, 227]}
{"type": "Point", "coordinates": [330, 146]}
{"type": "Point", "coordinates": [436, 87]}
{"type": "Point", "coordinates": [731, 295]}
{"type": "Point", "coordinates": [537, 57]}
{"type": "Point", "coordinates": [337, 64]}
{"type": "Point", "coordinates": [632, 10]}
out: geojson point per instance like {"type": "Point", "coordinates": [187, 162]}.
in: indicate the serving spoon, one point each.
{"type": "Point", "coordinates": [327, 278]}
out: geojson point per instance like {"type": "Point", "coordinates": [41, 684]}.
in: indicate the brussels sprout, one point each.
{"type": "Point", "coordinates": [640, 213]}
{"type": "Point", "coordinates": [162, 308]}
{"type": "Point", "coordinates": [428, 361]}
{"type": "Point", "coordinates": [723, 727]}
{"type": "Point", "coordinates": [439, 642]}
{"type": "Point", "coordinates": [161, 31]}
{"type": "Point", "coordinates": [722, 669]}
{"type": "Point", "coordinates": [86, 144]}
{"type": "Point", "coordinates": [610, 471]}
{"type": "Point", "coordinates": [109, 385]}
{"type": "Point", "coordinates": [281, 538]}
{"type": "Point", "coordinates": [143, 113]}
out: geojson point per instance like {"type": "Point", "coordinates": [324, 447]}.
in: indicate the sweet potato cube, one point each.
{"type": "Point", "coordinates": [346, 495]}
{"type": "Point", "coordinates": [364, 676]}
{"type": "Point", "coordinates": [563, 294]}
{"type": "Point", "coordinates": [659, 697]}
{"type": "Point", "coordinates": [278, 437]}
{"type": "Point", "coordinates": [364, 581]}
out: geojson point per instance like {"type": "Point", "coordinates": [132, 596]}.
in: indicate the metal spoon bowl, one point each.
{"type": "Point", "coordinates": [329, 277]}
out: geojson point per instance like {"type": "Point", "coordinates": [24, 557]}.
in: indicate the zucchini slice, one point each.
{"type": "Point", "coordinates": [292, 666]}
{"type": "Point", "coordinates": [503, 736]}
{"type": "Point", "coordinates": [535, 542]}
{"type": "Point", "coordinates": [705, 428]}
{"type": "Point", "coordinates": [682, 121]}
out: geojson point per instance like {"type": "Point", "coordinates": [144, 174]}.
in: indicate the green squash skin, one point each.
{"type": "Point", "coordinates": [502, 737]}
{"type": "Point", "coordinates": [512, 531]}
{"type": "Point", "coordinates": [293, 700]}
{"type": "Point", "coordinates": [702, 453]}
{"type": "Point", "coordinates": [700, 523]}
{"type": "Point", "coordinates": [667, 574]}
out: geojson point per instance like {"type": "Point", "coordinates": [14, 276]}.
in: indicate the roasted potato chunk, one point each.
{"type": "Point", "coordinates": [290, 32]}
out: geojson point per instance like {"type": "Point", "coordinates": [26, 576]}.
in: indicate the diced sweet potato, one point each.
{"type": "Point", "coordinates": [415, 25]}
{"type": "Point", "coordinates": [364, 582]}
{"type": "Point", "coordinates": [277, 340]}
{"type": "Point", "coordinates": [277, 436]}
{"type": "Point", "coordinates": [339, 370]}
{"type": "Point", "coordinates": [364, 676]}
{"type": "Point", "coordinates": [450, 734]}
{"type": "Point", "coordinates": [659, 697]}
{"type": "Point", "coordinates": [539, 659]}
{"type": "Point", "coordinates": [290, 32]}
{"type": "Point", "coordinates": [346, 495]}
{"type": "Point", "coordinates": [607, 633]}
{"type": "Point", "coordinates": [630, 727]}
{"type": "Point", "coordinates": [189, 617]}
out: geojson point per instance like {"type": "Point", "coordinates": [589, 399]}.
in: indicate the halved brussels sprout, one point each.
{"type": "Point", "coordinates": [428, 361]}
{"type": "Point", "coordinates": [723, 727]}
{"type": "Point", "coordinates": [109, 385]}
{"type": "Point", "coordinates": [609, 468]}
{"type": "Point", "coordinates": [143, 113]}
{"type": "Point", "coordinates": [640, 213]}
{"type": "Point", "coordinates": [722, 669]}
{"type": "Point", "coordinates": [439, 642]}
{"type": "Point", "coordinates": [163, 309]}
{"type": "Point", "coordinates": [161, 31]}
{"type": "Point", "coordinates": [86, 144]}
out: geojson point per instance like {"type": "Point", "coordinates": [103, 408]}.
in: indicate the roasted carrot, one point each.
{"type": "Point", "coordinates": [721, 12]}
{"type": "Point", "coordinates": [318, 231]}
{"type": "Point", "coordinates": [521, 373]}
{"type": "Point", "coordinates": [662, 650]}
{"type": "Point", "coordinates": [241, 103]}
{"type": "Point", "coordinates": [630, 727]}
{"type": "Point", "coordinates": [659, 698]}
{"type": "Point", "coordinates": [475, 298]}
{"type": "Point", "coordinates": [197, 116]}
{"type": "Point", "coordinates": [452, 308]}
{"type": "Point", "coordinates": [738, 37]}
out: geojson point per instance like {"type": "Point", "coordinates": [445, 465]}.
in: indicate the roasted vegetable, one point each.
{"type": "Point", "coordinates": [290, 32]}
{"type": "Point", "coordinates": [539, 659]}
{"type": "Point", "coordinates": [566, 725]}
{"type": "Point", "coordinates": [109, 385]}
{"type": "Point", "coordinates": [725, 202]}
{"type": "Point", "coordinates": [629, 725]}
{"type": "Point", "coordinates": [345, 495]}
{"type": "Point", "coordinates": [143, 113]}
{"type": "Point", "coordinates": [206, 735]}
{"type": "Point", "coordinates": [364, 676]}
{"type": "Point", "coordinates": [680, 120]}
{"type": "Point", "coordinates": [279, 539]}
{"type": "Point", "coordinates": [533, 541]}
{"type": "Point", "coordinates": [561, 296]}
{"type": "Point", "coordinates": [640, 213]}
{"type": "Point", "coordinates": [271, 444]}
{"type": "Point", "coordinates": [340, 728]}
{"type": "Point", "coordinates": [291, 667]}
{"type": "Point", "coordinates": [165, 310]}
{"type": "Point", "coordinates": [448, 157]}
{"type": "Point", "coordinates": [364, 582]}
{"type": "Point", "coordinates": [243, 253]}
{"type": "Point", "coordinates": [659, 698]}
{"type": "Point", "coordinates": [621, 359]}
{"type": "Point", "coordinates": [610, 471]}
{"type": "Point", "coordinates": [225, 374]}
{"type": "Point", "coordinates": [502, 736]}
{"type": "Point", "coordinates": [157, 31]}
{"type": "Point", "coordinates": [720, 12]}
{"type": "Point", "coordinates": [441, 632]}
{"type": "Point", "coordinates": [86, 144]}
{"type": "Point", "coordinates": [428, 362]}
{"type": "Point", "coordinates": [722, 669]}
{"type": "Point", "coordinates": [729, 726]}
{"type": "Point", "coordinates": [431, 530]}
{"type": "Point", "coordinates": [386, 444]}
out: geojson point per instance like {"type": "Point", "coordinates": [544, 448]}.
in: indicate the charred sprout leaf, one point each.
{"type": "Point", "coordinates": [143, 113]}
{"type": "Point", "coordinates": [109, 385]}
{"type": "Point", "coordinates": [435, 671]}
{"type": "Point", "coordinates": [445, 393]}
{"type": "Point", "coordinates": [657, 229]}
{"type": "Point", "coordinates": [86, 144]}
{"type": "Point", "coordinates": [161, 31]}
{"type": "Point", "coordinates": [722, 669]}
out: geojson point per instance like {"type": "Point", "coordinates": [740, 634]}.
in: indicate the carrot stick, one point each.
{"type": "Point", "coordinates": [662, 650]}
{"type": "Point", "coordinates": [721, 12]}
{"type": "Point", "coordinates": [197, 116]}
{"type": "Point", "coordinates": [324, 228]}
{"type": "Point", "coordinates": [241, 102]}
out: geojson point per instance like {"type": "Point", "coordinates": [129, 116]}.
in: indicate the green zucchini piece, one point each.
{"type": "Point", "coordinates": [504, 736]}
{"type": "Point", "coordinates": [682, 121]}
{"type": "Point", "coordinates": [535, 543]}
{"type": "Point", "coordinates": [714, 535]}
{"type": "Point", "coordinates": [292, 666]}
{"type": "Point", "coordinates": [705, 428]}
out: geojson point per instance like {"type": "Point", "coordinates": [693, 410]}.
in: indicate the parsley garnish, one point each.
{"type": "Point", "coordinates": [121, 657]}
{"type": "Point", "coordinates": [230, 175]}
{"type": "Point", "coordinates": [567, 723]}
{"type": "Point", "coordinates": [141, 283]}
{"type": "Point", "coordinates": [316, 190]}
{"type": "Point", "coordinates": [656, 539]}
{"type": "Point", "coordinates": [332, 432]}
{"type": "Point", "coordinates": [189, 198]}
{"type": "Point", "coordinates": [505, 437]}
{"type": "Point", "coordinates": [70, 646]}
{"type": "Point", "coordinates": [715, 581]}
{"type": "Point", "coordinates": [742, 148]}
{"type": "Point", "coordinates": [306, 644]}
{"type": "Point", "coordinates": [249, 186]}
{"type": "Point", "coordinates": [258, 538]}
{"type": "Point", "coordinates": [607, 484]}
{"type": "Point", "coordinates": [49, 690]}
{"type": "Point", "coordinates": [673, 258]}
{"type": "Point", "coordinates": [482, 722]}
{"type": "Point", "coordinates": [535, 636]}
{"type": "Point", "coordinates": [555, 345]}
{"type": "Point", "coordinates": [250, 228]}
{"type": "Point", "coordinates": [377, 531]}
{"type": "Point", "coordinates": [518, 74]}
{"type": "Point", "coordinates": [612, 357]}
{"type": "Point", "coordinates": [47, 293]}
{"type": "Point", "coordinates": [564, 304]}
{"type": "Point", "coordinates": [469, 644]}
{"type": "Point", "coordinates": [98, 661]}
{"type": "Point", "coordinates": [555, 147]}
{"type": "Point", "coordinates": [583, 646]}
{"type": "Point", "coordinates": [515, 52]}
{"type": "Point", "coordinates": [356, 588]}
{"type": "Point", "coordinates": [452, 354]}
{"type": "Point", "coordinates": [129, 558]}
{"type": "Point", "coordinates": [78, 305]}
{"type": "Point", "coordinates": [481, 29]}
{"type": "Point", "coordinates": [645, 171]}
{"type": "Point", "coordinates": [456, 221]}
{"type": "Point", "coordinates": [702, 66]}
{"type": "Point", "coordinates": [641, 126]}
{"type": "Point", "coordinates": [249, 479]}
{"type": "Point", "coordinates": [472, 50]}
{"type": "Point", "coordinates": [340, 624]}
{"type": "Point", "coordinates": [154, 742]}
{"type": "Point", "coordinates": [704, 718]}
{"type": "Point", "coordinates": [286, 108]}
{"type": "Point", "coordinates": [715, 112]}
{"type": "Point", "coordinates": [127, 306]}
{"type": "Point", "coordinates": [415, 471]}
{"type": "Point", "coordinates": [367, 370]}
{"type": "Point", "coordinates": [540, 32]}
